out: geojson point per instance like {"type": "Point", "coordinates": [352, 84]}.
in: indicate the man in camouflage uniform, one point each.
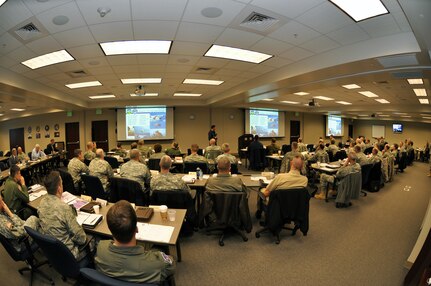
{"type": "Point", "coordinates": [166, 181]}
{"type": "Point", "coordinates": [349, 167]}
{"type": "Point", "coordinates": [101, 169]}
{"type": "Point", "coordinates": [320, 155]}
{"type": "Point", "coordinates": [157, 152]}
{"type": "Point", "coordinates": [375, 158]}
{"type": "Point", "coordinates": [288, 157]}
{"type": "Point", "coordinates": [225, 181]}
{"type": "Point", "coordinates": [361, 157]}
{"type": "Point", "coordinates": [15, 193]}
{"type": "Point", "coordinates": [226, 152]}
{"type": "Point", "coordinates": [89, 154]}
{"type": "Point", "coordinates": [145, 151]}
{"type": "Point", "coordinates": [174, 150]}
{"type": "Point", "coordinates": [332, 147]}
{"type": "Point", "coordinates": [58, 219]}
{"type": "Point", "coordinates": [76, 167]}
{"type": "Point", "coordinates": [212, 151]}
{"type": "Point", "coordinates": [272, 148]}
{"type": "Point", "coordinates": [135, 170]}
{"type": "Point", "coordinates": [22, 157]}
{"type": "Point", "coordinates": [302, 147]}
{"type": "Point", "coordinates": [194, 157]}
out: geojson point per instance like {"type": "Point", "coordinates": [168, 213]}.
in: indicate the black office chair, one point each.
{"type": "Point", "coordinates": [129, 190]}
{"type": "Point", "coordinates": [94, 187]}
{"type": "Point", "coordinates": [192, 166]}
{"type": "Point", "coordinates": [112, 161]}
{"type": "Point", "coordinates": [29, 155]}
{"type": "Point", "coordinates": [368, 150]}
{"type": "Point", "coordinates": [154, 164]}
{"type": "Point", "coordinates": [101, 279]}
{"type": "Point", "coordinates": [365, 171]}
{"type": "Point", "coordinates": [286, 206]}
{"type": "Point", "coordinates": [1, 153]}
{"type": "Point", "coordinates": [286, 148]}
{"type": "Point", "coordinates": [67, 180]}
{"type": "Point", "coordinates": [8, 153]}
{"type": "Point", "coordinates": [26, 255]}
{"type": "Point", "coordinates": [340, 155]}
{"type": "Point", "coordinates": [410, 157]}
{"type": "Point", "coordinates": [87, 162]}
{"type": "Point", "coordinates": [348, 188]}
{"type": "Point", "coordinates": [226, 211]}
{"type": "Point", "coordinates": [59, 256]}
{"type": "Point", "coordinates": [402, 162]}
{"type": "Point", "coordinates": [257, 159]}
{"type": "Point", "coordinates": [331, 156]}
{"type": "Point", "coordinates": [310, 147]}
{"type": "Point", "coordinates": [375, 181]}
{"type": "Point", "coordinates": [3, 166]}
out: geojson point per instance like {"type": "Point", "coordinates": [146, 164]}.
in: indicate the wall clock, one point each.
{"type": "Point", "coordinates": [46, 127]}
{"type": "Point", "coordinates": [56, 127]}
{"type": "Point", "coordinates": [37, 128]}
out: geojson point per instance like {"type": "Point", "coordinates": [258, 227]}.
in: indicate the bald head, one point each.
{"type": "Point", "coordinates": [212, 142]}
{"type": "Point", "coordinates": [89, 145]}
{"type": "Point", "coordinates": [100, 154]}
{"type": "Point", "coordinates": [296, 163]}
{"type": "Point", "coordinates": [165, 163]}
{"type": "Point", "coordinates": [352, 157]}
{"type": "Point", "coordinates": [223, 165]}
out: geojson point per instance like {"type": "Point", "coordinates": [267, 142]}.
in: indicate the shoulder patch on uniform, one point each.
{"type": "Point", "coordinates": [166, 258]}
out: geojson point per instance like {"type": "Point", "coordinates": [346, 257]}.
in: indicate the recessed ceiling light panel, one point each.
{"type": "Point", "coordinates": [344, 102]}
{"type": "Point", "coordinates": [224, 52]}
{"type": "Point", "coordinates": [202, 81]}
{"type": "Point", "coordinates": [17, 109]}
{"type": "Point", "coordinates": [381, 100]}
{"type": "Point", "coordinates": [136, 47]}
{"type": "Point", "coordinates": [141, 80]}
{"type": "Point", "coordinates": [83, 84]}
{"type": "Point", "coordinates": [361, 10]}
{"type": "Point", "coordinates": [187, 94]}
{"type": "Point", "coordinates": [351, 86]}
{"type": "Point", "coordinates": [323, 98]}
{"type": "Point", "coordinates": [268, 99]}
{"type": "Point", "coordinates": [147, 94]}
{"type": "Point", "coordinates": [48, 59]}
{"type": "Point", "coordinates": [415, 81]}
{"type": "Point", "coordinates": [290, 102]}
{"type": "Point", "coordinates": [301, 93]}
{"type": "Point", "coordinates": [420, 91]}
{"type": "Point", "coordinates": [102, 96]}
{"type": "Point", "coordinates": [368, 93]}
{"type": "Point", "coordinates": [424, 101]}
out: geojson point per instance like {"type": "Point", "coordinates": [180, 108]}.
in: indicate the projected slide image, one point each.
{"type": "Point", "coordinates": [334, 126]}
{"type": "Point", "coordinates": [145, 123]}
{"type": "Point", "coordinates": [264, 123]}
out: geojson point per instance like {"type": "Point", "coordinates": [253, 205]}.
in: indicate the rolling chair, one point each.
{"type": "Point", "coordinates": [67, 180]}
{"type": "Point", "coordinates": [365, 173]}
{"type": "Point", "coordinates": [129, 190]}
{"type": "Point", "coordinates": [87, 162]}
{"type": "Point", "coordinates": [101, 279]}
{"type": "Point", "coordinates": [112, 161]}
{"type": "Point", "coordinates": [154, 164]}
{"type": "Point", "coordinates": [368, 150]}
{"type": "Point", "coordinates": [348, 188]}
{"type": "Point", "coordinates": [94, 187]}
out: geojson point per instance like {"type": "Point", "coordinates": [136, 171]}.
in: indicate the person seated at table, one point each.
{"type": "Point", "coordinates": [272, 148]}
{"type": "Point", "coordinates": [361, 158]}
{"type": "Point", "coordinates": [375, 157]}
{"type": "Point", "coordinates": [145, 151]}
{"type": "Point", "coordinates": [224, 181]}
{"type": "Point", "coordinates": [135, 170]}
{"type": "Point", "coordinates": [332, 147]}
{"type": "Point", "coordinates": [36, 153]}
{"type": "Point", "coordinates": [194, 157]}
{"type": "Point", "coordinates": [12, 227]}
{"type": "Point", "coordinates": [51, 147]}
{"type": "Point", "coordinates": [318, 144]}
{"type": "Point", "coordinates": [13, 159]}
{"type": "Point", "coordinates": [119, 150]}
{"type": "Point", "coordinates": [368, 143]}
{"type": "Point", "coordinates": [58, 219]}
{"type": "Point", "coordinates": [16, 194]}
{"type": "Point", "coordinates": [22, 156]}
{"type": "Point", "coordinates": [166, 181]}
{"type": "Point", "coordinates": [360, 142]}
{"type": "Point", "coordinates": [386, 153]}
{"type": "Point", "coordinates": [174, 150]}
{"type": "Point", "coordinates": [94, 146]}
{"type": "Point", "coordinates": [320, 155]}
{"type": "Point", "coordinates": [89, 154]}
{"type": "Point", "coordinates": [291, 180]}
{"type": "Point", "coordinates": [350, 166]}
{"type": "Point", "coordinates": [212, 151]}
{"type": "Point", "coordinates": [288, 157]}
{"type": "Point", "coordinates": [226, 153]}
{"type": "Point", "coordinates": [121, 258]}
{"type": "Point", "coordinates": [76, 167]}
{"type": "Point", "coordinates": [157, 152]}
{"type": "Point", "coordinates": [302, 147]}
{"type": "Point", "coordinates": [101, 169]}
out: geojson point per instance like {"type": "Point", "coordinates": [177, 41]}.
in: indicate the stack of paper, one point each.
{"type": "Point", "coordinates": [154, 232]}
{"type": "Point", "coordinates": [189, 179]}
{"type": "Point", "coordinates": [88, 220]}
{"type": "Point", "coordinates": [67, 197]}
{"type": "Point", "coordinates": [36, 195]}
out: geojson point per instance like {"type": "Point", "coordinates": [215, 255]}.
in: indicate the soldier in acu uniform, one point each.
{"type": "Point", "coordinates": [135, 170]}
{"type": "Point", "coordinates": [76, 167]}
{"type": "Point", "coordinates": [101, 169]}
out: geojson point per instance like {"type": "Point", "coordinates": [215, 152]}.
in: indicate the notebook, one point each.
{"type": "Point", "coordinates": [144, 213]}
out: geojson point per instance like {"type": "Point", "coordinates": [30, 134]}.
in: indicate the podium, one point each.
{"type": "Point", "coordinates": [243, 143]}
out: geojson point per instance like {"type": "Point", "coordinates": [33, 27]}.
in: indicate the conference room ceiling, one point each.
{"type": "Point", "coordinates": [315, 47]}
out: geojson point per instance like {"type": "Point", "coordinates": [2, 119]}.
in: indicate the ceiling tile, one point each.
{"type": "Point", "coordinates": [69, 66]}
{"type": "Point", "coordinates": [154, 30]}
{"type": "Point", "coordinates": [44, 45]}
{"type": "Point", "coordinates": [241, 66]}
{"type": "Point", "coordinates": [116, 31]}
{"type": "Point", "coordinates": [180, 68]}
{"type": "Point", "coordinates": [157, 10]}
{"type": "Point", "coordinates": [8, 43]}
{"type": "Point", "coordinates": [201, 33]}
{"type": "Point", "coordinates": [12, 13]}
{"type": "Point", "coordinates": [277, 62]}
{"type": "Point", "coordinates": [70, 10]}
{"type": "Point", "coordinates": [238, 39]}
{"type": "Point", "coordinates": [39, 6]}
{"type": "Point", "coordinates": [288, 8]}
{"type": "Point", "coordinates": [188, 48]}
{"type": "Point", "coordinates": [208, 62]}
{"type": "Point", "coordinates": [157, 69]}
{"type": "Point", "coordinates": [402, 21]}
{"type": "Point", "coordinates": [152, 59]}
{"type": "Point", "coordinates": [7, 62]}
{"type": "Point", "coordinates": [380, 26]}
{"type": "Point", "coordinates": [97, 71]}
{"type": "Point", "coordinates": [23, 53]}
{"type": "Point", "coordinates": [320, 45]}
{"type": "Point", "coordinates": [296, 54]}
{"type": "Point", "coordinates": [75, 37]}
{"type": "Point", "coordinates": [271, 46]}
{"type": "Point", "coordinates": [120, 60]}
{"type": "Point", "coordinates": [348, 35]}
{"type": "Point", "coordinates": [120, 11]}
{"type": "Point", "coordinates": [86, 52]}
{"type": "Point", "coordinates": [294, 33]}
{"type": "Point", "coordinates": [180, 59]}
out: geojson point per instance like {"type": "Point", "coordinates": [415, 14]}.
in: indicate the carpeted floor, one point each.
{"type": "Point", "coordinates": [366, 244]}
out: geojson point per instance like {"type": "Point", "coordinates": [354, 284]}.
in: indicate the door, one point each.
{"type": "Point", "coordinates": [16, 138]}
{"type": "Point", "coordinates": [295, 133]}
{"type": "Point", "coordinates": [350, 130]}
{"type": "Point", "coordinates": [99, 134]}
{"type": "Point", "coordinates": [72, 138]}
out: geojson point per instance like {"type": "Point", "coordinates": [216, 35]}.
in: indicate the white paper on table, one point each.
{"type": "Point", "coordinates": [188, 178]}
{"type": "Point", "coordinates": [205, 177]}
{"type": "Point", "coordinates": [323, 164]}
{"type": "Point", "coordinates": [257, 178]}
{"type": "Point", "coordinates": [326, 169]}
{"type": "Point", "coordinates": [36, 195]}
{"type": "Point", "coordinates": [154, 232]}
{"type": "Point", "coordinates": [88, 219]}
{"type": "Point", "coordinates": [67, 197]}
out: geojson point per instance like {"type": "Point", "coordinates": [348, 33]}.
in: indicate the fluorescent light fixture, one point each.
{"type": "Point", "coordinates": [136, 47]}
{"type": "Point", "coordinates": [141, 80]}
{"type": "Point", "coordinates": [383, 115]}
{"type": "Point", "coordinates": [368, 93]}
{"type": "Point", "coordinates": [424, 101]}
{"type": "Point", "coordinates": [17, 109]}
{"type": "Point", "coordinates": [187, 94]}
{"type": "Point", "coordinates": [48, 59]}
{"type": "Point", "coordinates": [420, 91]}
{"type": "Point", "coordinates": [351, 86]}
{"type": "Point", "coordinates": [1, 3]}
{"type": "Point", "coordinates": [415, 81]}
{"type": "Point", "coordinates": [361, 10]}
{"type": "Point", "coordinates": [363, 115]}
{"type": "Point", "coordinates": [268, 99]}
{"type": "Point", "coordinates": [301, 93]}
{"type": "Point", "coordinates": [425, 117]}
{"type": "Point", "coordinates": [400, 113]}
{"type": "Point", "coordinates": [1, 114]}
{"type": "Point", "coordinates": [290, 102]}
{"type": "Point", "coordinates": [203, 81]}
{"type": "Point", "coordinates": [83, 84]}
{"type": "Point", "coordinates": [323, 98]}
{"type": "Point", "coordinates": [145, 94]}
{"type": "Point", "coordinates": [102, 96]}
{"type": "Point", "coordinates": [343, 102]}
{"type": "Point", "coordinates": [425, 114]}
{"type": "Point", "coordinates": [224, 52]}
{"type": "Point", "coordinates": [381, 100]}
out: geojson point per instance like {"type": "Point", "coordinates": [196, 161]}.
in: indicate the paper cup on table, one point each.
{"type": "Point", "coordinates": [318, 164]}
{"type": "Point", "coordinates": [96, 209]}
{"type": "Point", "coordinates": [171, 215]}
{"type": "Point", "coordinates": [164, 212]}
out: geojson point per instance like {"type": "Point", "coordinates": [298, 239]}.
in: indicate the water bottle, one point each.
{"type": "Point", "coordinates": [201, 174]}
{"type": "Point", "coordinates": [198, 173]}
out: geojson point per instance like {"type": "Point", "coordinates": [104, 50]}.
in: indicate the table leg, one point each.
{"type": "Point", "coordinates": [175, 251]}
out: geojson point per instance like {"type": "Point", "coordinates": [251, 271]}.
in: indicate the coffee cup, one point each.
{"type": "Point", "coordinates": [164, 212]}
{"type": "Point", "coordinates": [96, 209]}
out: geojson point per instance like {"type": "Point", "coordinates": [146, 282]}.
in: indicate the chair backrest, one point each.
{"type": "Point", "coordinates": [212, 154]}
{"type": "Point", "coordinates": [340, 155]}
{"type": "Point", "coordinates": [3, 166]}
{"type": "Point", "coordinates": [376, 172]}
{"type": "Point", "coordinates": [310, 147]}
{"type": "Point", "coordinates": [176, 199]}
{"type": "Point", "coordinates": [1, 153]}
{"type": "Point", "coordinates": [87, 162]}
{"type": "Point", "coordinates": [365, 173]}
{"type": "Point", "coordinates": [29, 155]}
{"type": "Point", "coordinates": [331, 156]}
{"type": "Point", "coordinates": [8, 153]}
{"type": "Point", "coordinates": [349, 188]}
{"type": "Point", "coordinates": [67, 180]}
{"type": "Point", "coordinates": [93, 187]}
{"type": "Point", "coordinates": [286, 148]}
{"type": "Point", "coordinates": [58, 255]}
{"type": "Point", "coordinates": [112, 161]}
{"type": "Point", "coordinates": [17, 256]}
{"type": "Point", "coordinates": [154, 164]}
{"type": "Point", "coordinates": [126, 189]}
{"type": "Point", "coordinates": [368, 150]}
{"type": "Point", "coordinates": [257, 159]}
{"type": "Point", "coordinates": [192, 166]}
{"type": "Point", "coordinates": [102, 279]}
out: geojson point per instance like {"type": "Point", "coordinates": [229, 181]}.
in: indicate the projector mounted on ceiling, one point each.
{"type": "Point", "coordinates": [313, 103]}
{"type": "Point", "coordinates": [139, 91]}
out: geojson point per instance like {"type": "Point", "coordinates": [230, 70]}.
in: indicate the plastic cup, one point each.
{"type": "Point", "coordinates": [171, 215]}
{"type": "Point", "coordinates": [279, 152]}
{"type": "Point", "coordinates": [96, 209]}
{"type": "Point", "coordinates": [318, 164]}
{"type": "Point", "coordinates": [164, 212]}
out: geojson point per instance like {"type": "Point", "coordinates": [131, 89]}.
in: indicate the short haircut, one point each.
{"type": "Point", "coordinates": [134, 145]}
{"type": "Point", "coordinates": [321, 146]}
{"type": "Point", "coordinates": [212, 141]}
{"type": "Point", "coordinates": [256, 137]}
{"type": "Point", "coordinates": [141, 142]}
{"type": "Point", "coordinates": [165, 162]}
{"type": "Point", "coordinates": [89, 145]}
{"type": "Point", "coordinates": [118, 144]}
{"type": "Point", "coordinates": [77, 152]}
{"type": "Point", "coordinates": [194, 147]}
{"type": "Point", "coordinates": [52, 181]}
{"type": "Point", "coordinates": [294, 145]}
{"type": "Point", "coordinates": [299, 140]}
{"type": "Point", "coordinates": [158, 148]}
{"type": "Point", "coordinates": [297, 162]}
{"type": "Point", "coordinates": [357, 148]}
{"type": "Point", "coordinates": [14, 170]}
{"type": "Point", "coordinates": [121, 219]}
{"type": "Point", "coordinates": [134, 154]}
{"type": "Point", "coordinates": [332, 141]}
{"type": "Point", "coordinates": [37, 146]}
{"type": "Point", "coordinates": [375, 151]}
{"type": "Point", "coordinates": [212, 126]}
{"type": "Point", "coordinates": [175, 145]}
{"type": "Point", "coordinates": [223, 164]}
{"type": "Point", "coordinates": [352, 156]}
{"type": "Point", "coordinates": [100, 153]}
{"type": "Point", "coordinates": [273, 140]}
{"type": "Point", "coordinates": [225, 147]}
